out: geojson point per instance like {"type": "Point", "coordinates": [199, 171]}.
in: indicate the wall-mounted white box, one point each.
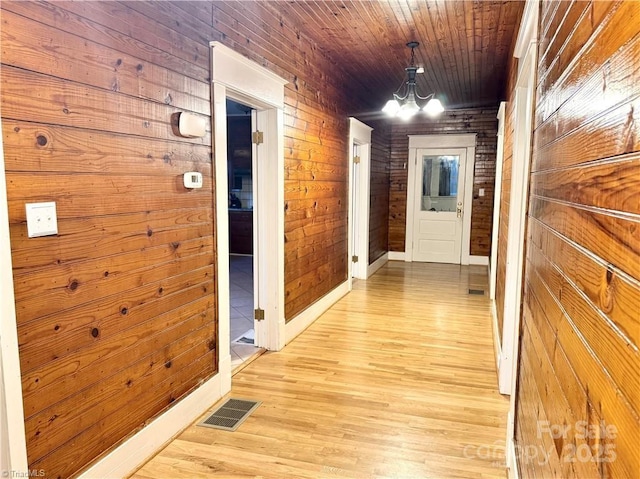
{"type": "Point", "coordinates": [41, 219]}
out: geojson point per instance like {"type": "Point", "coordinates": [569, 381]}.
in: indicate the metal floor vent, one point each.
{"type": "Point", "coordinates": [477, 291]}
{"type": "Point", "coordinates": [231, 414]}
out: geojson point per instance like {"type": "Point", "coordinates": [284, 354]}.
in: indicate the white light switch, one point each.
{"type": "Point", "coordinates": [481, 192]}
{"type": "Point", "coordinates": [41, 219]}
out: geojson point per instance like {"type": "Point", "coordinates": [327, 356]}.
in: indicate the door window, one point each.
{"type": "Point", "coordinates": [439, 182]}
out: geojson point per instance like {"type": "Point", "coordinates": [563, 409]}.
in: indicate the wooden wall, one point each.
{"type": "Point", "coordinates": [379, 191]}
{"type": "Point", "coordinates": [480, 121]}
{"type": "Point", "coordinates": [505, 194]}
{"type": "Point", "coordinates": [579, 388]}
{"type": "Point", "coordinates": [117, 313]}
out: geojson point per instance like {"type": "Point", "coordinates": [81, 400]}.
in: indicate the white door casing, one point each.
{"type": "Point", "coordinates": [466, 142]}
{"type": "Point", "coordinates": [497, 198]}
{"type": "Point", "coordinates": [438, 217]}
{"type": "Point", "coordinates": [236, 77]}
{"type": "Point", "coordinates": [359, 200]}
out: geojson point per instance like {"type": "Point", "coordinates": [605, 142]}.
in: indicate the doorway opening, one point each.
{"type": "Point", "coordinates": [237, 78]}
{"type": "Point", "coordinates": [359, 200]}
{"type": "Point", "coordinates": [242, 280]}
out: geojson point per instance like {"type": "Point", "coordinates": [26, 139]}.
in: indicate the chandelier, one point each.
{"type": "Point", "coordinates": [405, 105]}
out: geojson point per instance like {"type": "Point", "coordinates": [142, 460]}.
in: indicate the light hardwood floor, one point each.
{"type": "Point", "coordinates": [396, 380]}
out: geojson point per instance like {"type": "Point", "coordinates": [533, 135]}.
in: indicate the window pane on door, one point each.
{"type": "Point", "coordinates": [439, 182]}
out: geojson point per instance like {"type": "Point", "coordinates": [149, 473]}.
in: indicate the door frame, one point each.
{"type": "Point", "coordinates": [235, 76]}
{"type": "Point", "coordinates": [495, 234]}
{"type": "Point", "coordinates": [526, 50]}
{"type": "Point", "coordinates": [358, 222]}
{"type": "Point", "coordinates": [459, 141]}
{"type": "Point", "coordinates": [497, 198]}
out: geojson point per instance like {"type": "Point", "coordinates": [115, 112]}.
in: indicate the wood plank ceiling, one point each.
{"type": "Point", "coordinates": [464, 45]}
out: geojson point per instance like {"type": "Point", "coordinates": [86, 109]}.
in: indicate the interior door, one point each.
{"type": "Point", "coordinates": [355, 197]}
{"type": "Point", "coordinates": [258, 220]}
{"type": "Point", "coordinates": [437, 230]}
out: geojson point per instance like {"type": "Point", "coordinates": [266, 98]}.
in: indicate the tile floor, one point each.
{"type": "Point", "coordinates": [241, 296]}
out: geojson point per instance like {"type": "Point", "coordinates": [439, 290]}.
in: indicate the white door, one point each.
{"type": "Point", "coordinates": [355, 202]}
{"type": "Point", "coordinates": [439, 189]}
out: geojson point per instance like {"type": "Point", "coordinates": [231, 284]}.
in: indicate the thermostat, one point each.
{"type": "Point", "coordinates": [192, 179]}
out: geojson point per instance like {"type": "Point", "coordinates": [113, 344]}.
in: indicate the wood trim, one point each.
{"type": "Point", "coordinates": [269, 208]}
{"type": "Point", "coordinates": [303, 320]}
{"type": "Point", "coordinates": [528, 31]}
{"type": "Point", "coordinates": [495, 233]}
{"type": "Point", "coordinates": [465, 140]}
{"type": "Point", "coordinates": [359, 134]}
{"type": "Point", "coordinates": [219, 138]}
{"type": "Point", "coordinates": [377, 264]}
{"type": "Point", "coordinates": [495, 326]}
{"type": "Point", "coordinates": [479, 260]}
{"type": "Point", "coordinates": [397, 256]}
{"type": "Point", "coordinates": [245, 76]}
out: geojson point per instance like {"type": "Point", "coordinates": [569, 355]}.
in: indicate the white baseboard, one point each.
{"type": "Point", "coordinates": [132, 453]}
{"type": "Point", "coordinates": [396, 255]}
{"type": "Point", "coordinates": [479, 260]}
{"type": "Point", "coordinates": [497, 345]}
{"type": "Point", "coordinates": [512, 460]}
{"type": "Point", "coordinates": [303, 320]}
{"type": "Point", "coordinates": [377, 264]}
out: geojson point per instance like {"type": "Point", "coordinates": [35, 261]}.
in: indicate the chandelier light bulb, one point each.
{"type": "Point", "coordinates": [391, 108]}
{"type": "Point", "coordinates": [409, 109]}
{"type": "Point", "coordinates": [433, 107]}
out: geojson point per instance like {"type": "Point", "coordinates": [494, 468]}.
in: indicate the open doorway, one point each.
{"type": "Point", "coordinates": [241, 234]}
{"type": "Point", "coordinates": [237, 78]}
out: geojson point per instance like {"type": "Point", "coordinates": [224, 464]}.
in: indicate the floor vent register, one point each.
{"type": "Point", "coordinates": [231, 414]}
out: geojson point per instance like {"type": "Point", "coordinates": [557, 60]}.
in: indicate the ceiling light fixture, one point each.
{"type": "Point", "coordinates": [405, 105]}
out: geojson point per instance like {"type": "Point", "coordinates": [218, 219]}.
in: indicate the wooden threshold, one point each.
{"type": "Point", "coordinates": [397, 379]}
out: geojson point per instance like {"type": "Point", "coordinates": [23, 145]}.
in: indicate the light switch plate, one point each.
{"type": "Point", "coordinates": [41, 219]}
{"type": "Point", "coordinates": [481, 192]}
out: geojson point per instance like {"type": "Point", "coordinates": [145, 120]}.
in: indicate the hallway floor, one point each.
{"type": "Point", "coordinates": [396, 380]}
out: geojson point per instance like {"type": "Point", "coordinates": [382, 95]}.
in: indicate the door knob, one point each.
{"type": "Point", "coordinates": [459, 211]}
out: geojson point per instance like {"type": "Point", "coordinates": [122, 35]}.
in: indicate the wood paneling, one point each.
{"type": "Point", "coordinates": [379, 191]}
{"type": "Point", "coordinates": [117, 312]}
{"type": "Point", "coordinates": [483, 122]}
{"type": "Point", "coordinates": [505, 197]}
{"type": "Point", "coordinates": [331, 396]}
{"type": "Point", "coordinates": [88, 90]}
{"type": "Point", "coordinates": [464, 45]}
{"type": "Point", "coordinates": [580, 361]}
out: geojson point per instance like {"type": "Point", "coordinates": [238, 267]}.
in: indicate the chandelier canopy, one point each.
{"type": "Point", "coordinates": [404, 103]}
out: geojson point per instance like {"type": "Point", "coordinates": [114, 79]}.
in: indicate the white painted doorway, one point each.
{"type": "Point", "coordinates": [439, 236]}
{"type": "Point", "coordinates": [359, 200]}
{"type": "Point", "coordinates": [244, 81]}
{"type": "Point", "coordinates": [438, 207]}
